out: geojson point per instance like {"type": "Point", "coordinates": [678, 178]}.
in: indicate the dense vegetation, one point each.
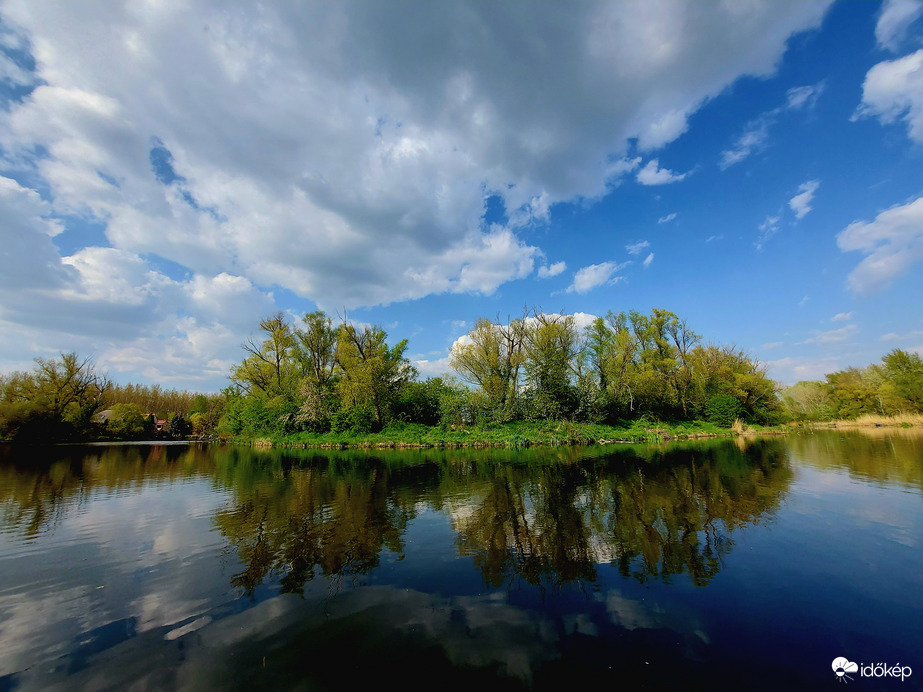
{"type": "Point", "coordinates": [317, 377]}
{"type": "Point", "coordinates": [536, 378]}
{"type": "Point", "coordinates": [893, 387]}
{"type": "Point", "coordinates": [65, 399]}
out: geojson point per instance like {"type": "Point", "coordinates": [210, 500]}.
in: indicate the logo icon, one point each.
{"type": "Point", "coordinates": [841, 666]}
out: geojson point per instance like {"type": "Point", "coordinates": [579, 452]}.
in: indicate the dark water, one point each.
{"type": "Point", "coordinates": [747, 564]}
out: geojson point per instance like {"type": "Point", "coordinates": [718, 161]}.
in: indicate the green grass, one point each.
{"type": "Point", "coordinates": [514, 434]}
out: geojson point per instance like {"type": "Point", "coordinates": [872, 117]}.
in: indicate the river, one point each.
{"type": "Point", "coordinates": [718, 564]}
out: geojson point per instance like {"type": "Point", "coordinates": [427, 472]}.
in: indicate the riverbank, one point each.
{"type": "Point", "coordinates": [514, 434]}
{"type": "Point", "coordinates": [906, 420]}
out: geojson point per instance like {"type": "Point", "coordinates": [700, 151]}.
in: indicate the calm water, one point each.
{"type": "Point", "coordinates": [747, 564]}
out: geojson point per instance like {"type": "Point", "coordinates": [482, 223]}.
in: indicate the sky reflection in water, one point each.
{"type": "Point", "coordinates": [723, 563]}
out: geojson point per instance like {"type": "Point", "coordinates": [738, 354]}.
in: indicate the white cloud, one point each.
{"type": "Point", "coordinates": [892, 243]}
{"type": "Point", "coordinates": [712, 238]}
{"type": "Point", "coordinates": [547, 271]}
{"type": "Point", "coordinates": [895, 18]}
{"type": "Point", "coordinates": [432, 368]}
{"type": "Point", "coordinates": [841, 317]}
{"type": "Point", "coordinates": [667, 218]}
{"type": "Point", "coordinates": [652, 174]}
{"type": "Point", "coordinates": [588, 278]}
{"type": "Point", "coordinates": [803, 96]}
{"type": "Point", "coordinates": [801, 202]}
{"type": "Point", "coordinates": [647, 260]}
{"type": "Point", "coordinates": [791, 370]}
{"type": "Point", "coordinates": [311, 150]}
{"type": "Point", "coordinates": [803, 301]}
{"type": "Point", "coordinates": [893, 91]}
{"type": "Point", "coordinates": [833, 336]}
{"type": "Point", "coordinates": [893, 336]}
{"type": "Point", "coordinates": [755, 137]}
{"type": "Point", "coordinates": [771, 345]}
{"type": "Point", "coordinates": [768, 228]}
{"type": "Point", "coordinates": [636, 248]}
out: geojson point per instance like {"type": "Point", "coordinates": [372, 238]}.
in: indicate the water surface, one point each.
{"type": "Point", "coordinates": [724, 564]}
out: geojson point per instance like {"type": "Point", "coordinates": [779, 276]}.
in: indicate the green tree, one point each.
{"type": "Point", "coordinates": [491, 359]}
{"type": "Point", "coordinates": [128, 421]}
{"type": "Point", "coordinates": [808, 401]}
{"type": "Point", "coordinates": [269, 369]}
{"type": "Point", "coordinates": [552, 345]}
{"type": "Point", "coordinates": [57, 400]}
{"type": "Point", "coordinates": [372, 372]}
{"type": "Point", "coordinates": [904, 372]}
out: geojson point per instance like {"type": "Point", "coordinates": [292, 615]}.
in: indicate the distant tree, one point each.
{"type": "Point", "coordinates": [57, 400]}
{"type": "Point", "coordinates": [178, 427]}
{"type": "Point", "coordinates": [808, 401]}
{"type": "Point", "coordinates": [128, 421]}
{"type": "Point", "coordinates": [904, 373]}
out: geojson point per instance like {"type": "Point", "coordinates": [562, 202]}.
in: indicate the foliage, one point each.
{"type": "Point", "coordinates": [56, 401]}
{"type": "Point", "coordinates": [892, 388]}
{"type": "Point", "coordinates": [128, 421]}
{"type": "Point", "coordinates": [723, 410]}
{"type": "Point", "coordinates": [345, 380]}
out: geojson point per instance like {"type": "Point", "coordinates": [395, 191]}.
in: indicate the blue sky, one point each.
{"type": "Point", "coordinates": [173, 172]}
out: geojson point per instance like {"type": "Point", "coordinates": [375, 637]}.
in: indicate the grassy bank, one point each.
{"type": "Point", "coordinates": [515, 434]}
{"type": "Point", "coordinates": [904, 420]}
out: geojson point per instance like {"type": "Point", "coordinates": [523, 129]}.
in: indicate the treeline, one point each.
{"type": "Point", "coordinates": [321, 377]}
{"type": "Point", "coordinates": [66, 399]}
{"type": "Point", "coordinates": [892, 387]}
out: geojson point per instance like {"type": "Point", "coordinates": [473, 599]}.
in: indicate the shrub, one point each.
{"type": "Point", "coordinates": [723, 410]}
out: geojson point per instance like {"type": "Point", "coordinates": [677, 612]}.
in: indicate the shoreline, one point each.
{"type": "Point", "coordinates": [510, 435]}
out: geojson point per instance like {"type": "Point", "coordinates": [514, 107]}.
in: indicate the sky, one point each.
{"type": "Point", "coordinates": [172, 172]}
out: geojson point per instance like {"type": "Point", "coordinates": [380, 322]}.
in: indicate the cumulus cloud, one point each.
{"type": "Point", "coordinates": [637, 248]}
{"type": "Point", "coordinates": [595, 275]}
{"type": "Point", "coordinates": [841, 317]}
{"type": "Point", "coordinates": [667, 218]}
{"type": "Point", "coordinates": [647, 260]}
{"type": "Point", "coordinates": [892, 243]}
{"type": "Point", "coordinates": [652, 174]}
{"type": "Point", "coordinates": [304, 146]}
{"type": "Point", "coordinates": [547, 271]}
{"type": "Point", "coordinates": [110, 304]}
{"type": "Point", "coordinates": [895, 18]}
{"type": "Point", "coordinates": [893, 91]}
{"type": "Point", "coordinates": [801, 203]}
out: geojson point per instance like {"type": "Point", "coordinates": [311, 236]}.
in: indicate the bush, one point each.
{"type": "Point", "coordinates": [723, 410]}
{"type": "Point", "coordinates": [128, 421]}
{"type": "Point", "coordinates": [357, 421]}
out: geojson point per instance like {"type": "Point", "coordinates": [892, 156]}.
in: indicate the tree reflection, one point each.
{"type": "Point", "coordinates": [654, 516]}
{"type": "Point", "coordinates": [327, 519]}
{"type": "Point", "coordinates": [543, 516]}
